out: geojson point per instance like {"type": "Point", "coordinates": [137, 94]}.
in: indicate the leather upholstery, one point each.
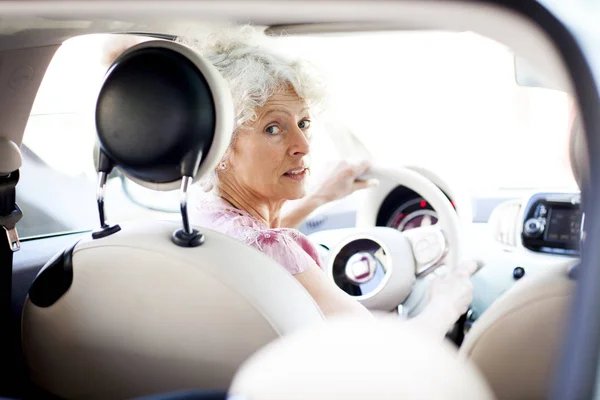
{"type": "Point", "coordinates": [144, 316]}
{"type": "Point", "coordinates": [515, 342]}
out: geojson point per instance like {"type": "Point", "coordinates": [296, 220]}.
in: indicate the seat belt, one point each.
{"type": "Point", "coordinates": [10, 214]}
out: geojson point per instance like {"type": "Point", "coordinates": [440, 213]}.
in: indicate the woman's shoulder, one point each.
{"type": "Point", "coordinates": [285, 236]}
{"type": "Point", "coordinates": [214, 213]}
{"type": "Point", "coordinates": [289, 247]}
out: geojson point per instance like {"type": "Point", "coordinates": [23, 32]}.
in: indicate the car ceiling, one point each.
{"type": "Point", "coordinates": [25, 26]}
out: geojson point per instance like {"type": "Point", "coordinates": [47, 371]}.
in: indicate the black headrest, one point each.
{"type": "Point", "coordinates": [162, 113]}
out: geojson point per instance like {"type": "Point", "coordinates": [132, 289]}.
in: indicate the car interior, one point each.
{"type": "Point", "coordinates": [110, 292]}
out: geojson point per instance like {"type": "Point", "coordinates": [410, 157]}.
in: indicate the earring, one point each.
{"type": "Point", "coordinates": [223, 165]}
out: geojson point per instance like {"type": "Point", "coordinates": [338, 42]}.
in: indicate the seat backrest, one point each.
{"type": "Point", "coordinates": [356, 360]}
{"type": "Point", "coordinates": [144, 316]}
{"type": "Point", "coordinates": [141, 308]}
{"type": "Point", "coordinates": [515, 343]}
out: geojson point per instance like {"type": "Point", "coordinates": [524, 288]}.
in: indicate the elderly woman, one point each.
{"type": "Point", "coordinates": [267, 164]}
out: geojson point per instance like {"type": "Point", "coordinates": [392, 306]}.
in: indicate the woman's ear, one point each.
{"type": "Point", "coordinates": [229, 155]}
{"type": "Point", "coordinates": [223, 167]}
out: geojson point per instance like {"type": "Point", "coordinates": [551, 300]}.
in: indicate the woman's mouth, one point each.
{"type": "Point", "coordinates": [297, 174]}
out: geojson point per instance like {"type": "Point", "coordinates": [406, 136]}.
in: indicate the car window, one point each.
{"type": "Point", "coordinates": [58, 181]}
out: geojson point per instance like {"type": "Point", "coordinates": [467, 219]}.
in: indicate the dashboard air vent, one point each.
{"type": "Point", "coordinates": [316, 222]}
{"type": "Point", "coordinates": [505, 223]}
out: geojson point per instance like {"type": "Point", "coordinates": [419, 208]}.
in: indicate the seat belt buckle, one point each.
{"type": "Point", "coordinates": [9, 223]}
{"type": "Point", "coordinates": [13, 239]}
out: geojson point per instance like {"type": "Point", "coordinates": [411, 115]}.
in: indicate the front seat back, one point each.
{"type": "Point", "coordinates": [377, 359]}
{"type": "Point", "coordinates": [150, 307]}
{"type": "Point", "coordinates": [515, 343]}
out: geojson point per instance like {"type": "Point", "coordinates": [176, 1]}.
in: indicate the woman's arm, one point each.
{"type": "Point", "coordinates": [450, 297]}
{"type": "Point", "coordinates": [300, 210]}
{"type": "Point", "coordinates": [330, 299]}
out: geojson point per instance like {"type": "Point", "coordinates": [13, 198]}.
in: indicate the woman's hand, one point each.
{"type": "Point", "coordinates": [452, 293]}
{"type": "Point", "coordinates": [449, 297]}
{"type": "Point", "coordinates": [343, 181]}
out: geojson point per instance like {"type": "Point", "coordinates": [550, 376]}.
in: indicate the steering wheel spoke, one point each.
{"type": "Point", "coordinates": [429, 248]}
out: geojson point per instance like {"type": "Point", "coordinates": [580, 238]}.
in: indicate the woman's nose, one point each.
{"type": "Point", "coordinates": [300, 145]}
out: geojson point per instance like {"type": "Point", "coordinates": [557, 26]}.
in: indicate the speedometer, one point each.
{"type": "Point", "coordinates": [413, 214]}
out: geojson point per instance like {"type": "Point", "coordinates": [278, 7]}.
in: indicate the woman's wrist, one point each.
{"type": "Point", "coordinates": [301, 210]}
{"type": "Point", "coordinates": [315, 200]}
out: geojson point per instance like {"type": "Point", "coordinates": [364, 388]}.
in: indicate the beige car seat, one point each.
{"type": "Point", "coordinates": [357, 360]}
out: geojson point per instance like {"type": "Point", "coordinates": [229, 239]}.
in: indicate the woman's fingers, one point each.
{"type": "Point", "coordinates": [358, 170]}
{"type": "Point", "coordinates": [366, 184]}
{"type": "Point", "coordinates": [469, 267]}
{"type": "Point", "coordinates": [361, 168]}
{"type": "Point", "coordinates": [455, 289]}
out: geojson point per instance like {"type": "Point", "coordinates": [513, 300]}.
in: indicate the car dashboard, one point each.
{"type": "Point", "coordinates": [516, 234]}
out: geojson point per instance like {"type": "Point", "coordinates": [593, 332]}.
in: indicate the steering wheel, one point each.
{"type": "Point", "coordinates": [384, 268]}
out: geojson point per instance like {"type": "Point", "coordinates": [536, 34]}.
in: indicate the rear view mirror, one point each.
{"type": "Point", "coordinates": [527, 75]}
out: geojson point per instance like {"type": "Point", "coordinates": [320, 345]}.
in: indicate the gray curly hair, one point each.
{"type": "Point", "coordinates": [255, 71]}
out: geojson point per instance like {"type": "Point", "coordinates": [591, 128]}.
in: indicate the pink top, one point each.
{"type": "Point", "coordinates": [289, 247]}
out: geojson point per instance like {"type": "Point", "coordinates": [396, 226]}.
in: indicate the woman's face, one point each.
{"type": "Point", "coordinates": [269, 158]}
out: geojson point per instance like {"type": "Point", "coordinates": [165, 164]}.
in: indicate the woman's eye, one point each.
{"type": "Point", "coordinates": [273, 130]}
{"type": "Point", "coordinates": [304, 124]}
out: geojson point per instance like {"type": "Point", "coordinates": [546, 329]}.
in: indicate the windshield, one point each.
{"type": "Point", "coordinates": [447, 102]}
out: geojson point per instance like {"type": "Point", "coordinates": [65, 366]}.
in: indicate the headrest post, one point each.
{"type": "Point", "coordinates": [104, 168]}
{"type": "Point", "coordinates": [186, 237]}
{"type": "Point", "coordinates": [102, 176]}
{"type": "Point", "coordinates": [183, 200]}
{"type": "Point", "coordinates": [105, 229]}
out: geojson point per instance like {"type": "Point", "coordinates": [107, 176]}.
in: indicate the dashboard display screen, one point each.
{"type": "Point", "coordinates": [564, 225]}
